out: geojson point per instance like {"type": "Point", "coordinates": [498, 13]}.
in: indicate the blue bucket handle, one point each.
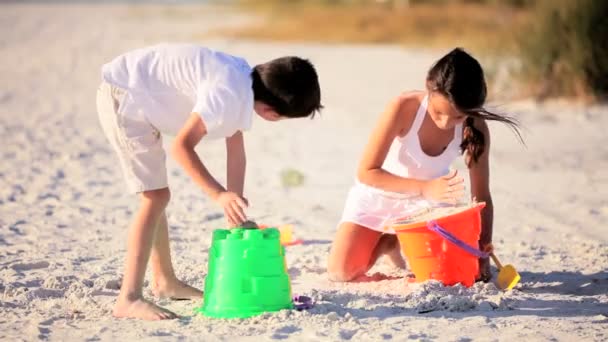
{"type": "Point", "coordinates": [433, 226]}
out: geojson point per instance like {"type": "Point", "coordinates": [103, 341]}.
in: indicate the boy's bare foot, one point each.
{"type": "Point", "coordinates": [141, 309]}
{"type": "Point", "coordinates": [177, 290]}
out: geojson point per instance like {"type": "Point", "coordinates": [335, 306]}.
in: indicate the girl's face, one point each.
{"type": "Point", "coordinates": [443, 113]}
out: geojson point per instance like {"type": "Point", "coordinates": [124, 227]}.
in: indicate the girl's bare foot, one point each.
{"type": "Point", "coordinates": [141, 309]}
{"type": "Point", "coordinates": [394, 255]}
{"type": "Point", "coordinates": [389, 247]}
{"type": "Point", "coordinates": [177, 290]}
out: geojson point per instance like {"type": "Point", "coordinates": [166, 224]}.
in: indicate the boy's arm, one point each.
{"type": "Point", "coordinates": [236, 163]}
{"type": "Point", "coordinates": [183, 152]}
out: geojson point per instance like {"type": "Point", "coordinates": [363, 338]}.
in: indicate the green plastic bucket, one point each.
{"type": "Point", "coordinates": [247, 275]}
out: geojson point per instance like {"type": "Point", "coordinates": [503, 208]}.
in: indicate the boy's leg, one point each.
{"type": "Point", "coordinates": [130, 301]}
{"type": "Point", "coordinates": [165, 284]}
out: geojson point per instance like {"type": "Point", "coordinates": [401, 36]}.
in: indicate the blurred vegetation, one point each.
{"type": "Point", "coordinates": [427, 23]}
{"type": "Point", "coordinates": [564, 50]}
{"type": "Point", "coordinates": [561, 45]}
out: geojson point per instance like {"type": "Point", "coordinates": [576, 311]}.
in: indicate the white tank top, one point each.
{"type": "Point", "coordinates": [406, 159]}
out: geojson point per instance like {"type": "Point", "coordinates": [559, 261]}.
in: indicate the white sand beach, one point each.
{"type": "Point", "coordinates": [64, 213]}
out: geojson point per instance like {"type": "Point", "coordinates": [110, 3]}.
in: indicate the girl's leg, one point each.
{"type": "Point", "coordinates": [165, 284]}
{"type": "Point", "coordinates": [130, 301]}
{"type": "Point", "coordinates": [356, 249]}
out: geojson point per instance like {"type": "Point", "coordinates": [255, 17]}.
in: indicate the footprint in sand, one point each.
{"type": "Point", "coordinates": [284, 332]}
{"type": "Point", "coordinates": [28, 266]}
{"type": "Point", "coordinates": [41, 293]}
{"type": "Point", "coordinates": [15, 227]}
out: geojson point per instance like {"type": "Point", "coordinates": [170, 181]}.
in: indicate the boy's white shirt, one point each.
{"type": "Point", "coordinates": [166, 83]}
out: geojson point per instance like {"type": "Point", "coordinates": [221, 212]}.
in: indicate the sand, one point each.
{"type": "Point", "coordinates": [64, 213]}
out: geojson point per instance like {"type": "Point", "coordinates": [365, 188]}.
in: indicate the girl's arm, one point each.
{"type": "Point", "coordinates": [397, 117]}
{"type": "Point", "coordinates": [397, 120]}
{"type": "Point", "coordinates": [479, 173]}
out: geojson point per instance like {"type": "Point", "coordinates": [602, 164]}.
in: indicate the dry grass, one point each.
{"type": "Point", "coordinates": [473, 26]}
{"type": "Point", "coordinates": [565, 52]}
{"type": "Point", "coordinates": [558, 42]}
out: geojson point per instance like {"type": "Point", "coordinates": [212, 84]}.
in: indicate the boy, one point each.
{"type": "Point", "coordinates": [190, 92]}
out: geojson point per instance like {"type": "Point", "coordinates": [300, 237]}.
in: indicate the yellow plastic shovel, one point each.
{"type": "Point", "coordinates": [507, 275]}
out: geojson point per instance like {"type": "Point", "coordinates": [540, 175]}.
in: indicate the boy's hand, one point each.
{"type": "Point", "coordinates": [447, 189]}
{"type": "Point", "coordinates": [234, 207]}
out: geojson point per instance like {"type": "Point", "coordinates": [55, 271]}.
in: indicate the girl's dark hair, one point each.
{"type": "Point", "coordinates": [459, 77]}
{"type": "Point", "coordinates": [289, 85]}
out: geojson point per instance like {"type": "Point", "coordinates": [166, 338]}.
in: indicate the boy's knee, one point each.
{"type": "Point", "coordinates": [159, 197]}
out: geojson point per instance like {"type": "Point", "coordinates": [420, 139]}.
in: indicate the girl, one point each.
{"type": "Point", "coordinates": [405, 165]}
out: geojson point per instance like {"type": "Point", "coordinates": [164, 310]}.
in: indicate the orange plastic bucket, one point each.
{"type": "Point", "coordinates": [431, 256]}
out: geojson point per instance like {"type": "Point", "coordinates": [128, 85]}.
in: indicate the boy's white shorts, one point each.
{"type": "Point", "coordinates": [138, 144]}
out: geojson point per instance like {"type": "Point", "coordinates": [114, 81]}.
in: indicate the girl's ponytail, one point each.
{"type": "Point", "coordinates": [459, 77]}
{"type": "Point", "coordinates": [473, 142]}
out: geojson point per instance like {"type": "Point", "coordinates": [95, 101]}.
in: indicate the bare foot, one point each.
{"type": "Point", "coordinates": [141, 309]}
{"type": "Point", "coordinates": [394, 255]}
{"type": "Point", "coordinates": [389, 247]}
{"type": "Point", "coordinates": [177, 290]}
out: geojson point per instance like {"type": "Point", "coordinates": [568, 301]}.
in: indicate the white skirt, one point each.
{"type": "Point", "coordinates": [376, 209]}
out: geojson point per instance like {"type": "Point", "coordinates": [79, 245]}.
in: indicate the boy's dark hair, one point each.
{"type": "Point", "coordinates": [289, 85]}
{"type": "Point", "coordinates": [459, 77]}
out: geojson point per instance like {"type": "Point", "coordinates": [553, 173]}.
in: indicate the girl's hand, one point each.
{"type": "Point", "coordinates": [446, 189]}
{"type": "Point", "coordinates": [234, 207]}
